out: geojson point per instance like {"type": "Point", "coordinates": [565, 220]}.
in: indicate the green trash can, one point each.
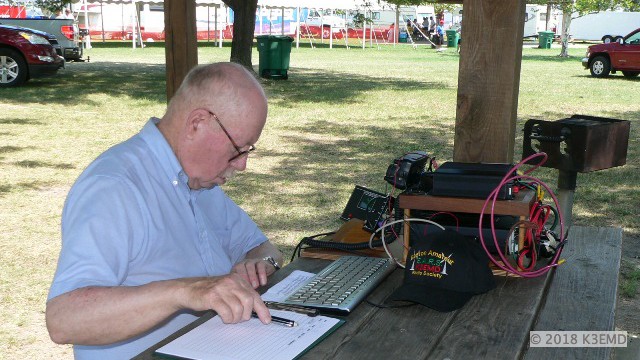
{"type": "Point", "coordinates": [402, 37]}
{"type": "Point", "coordinates": [275, 52]}
{"type": "Point", "coordinates": [452, 38]}
{"type": "Point", "coordinates": [545, 38]}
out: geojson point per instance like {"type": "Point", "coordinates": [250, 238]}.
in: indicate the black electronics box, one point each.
{"type": "Point", "coordinates": [580, 143]}
{"type": "Point", "coordinates": [367, 205]}
{"type": "Point", "coordinates": [406, 171]}
{"type": "Point", "coordinates": [472, 180]}
{"type": "Point", "coordinates": [503, 236]}
{"type": "Point", "coordinates": [467, 224]}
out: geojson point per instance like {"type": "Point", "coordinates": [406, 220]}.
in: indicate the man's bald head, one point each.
{"type": "Point", "coordinates": [222, 86]}
{"type": "Point", "coordinates": [218, 112]}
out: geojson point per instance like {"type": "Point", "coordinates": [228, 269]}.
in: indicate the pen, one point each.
{"type": "Point", "coordinates": [289, 307]}
{"type": "Point", "coordinates": [278, 320]}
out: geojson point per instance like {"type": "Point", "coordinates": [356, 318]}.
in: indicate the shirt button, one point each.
{"type": "Point", "coordinates": [175, 182]}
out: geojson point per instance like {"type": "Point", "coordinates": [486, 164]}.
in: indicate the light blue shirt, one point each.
{"type": "Point", "coordinates": [131, 219]}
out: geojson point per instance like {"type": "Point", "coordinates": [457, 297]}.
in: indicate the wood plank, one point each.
{"type": "Point", "coordinates": [520, 206]}
{"type": "Point", "coordinates": [488, 80]}
{"type": "Point", "coordinates": [490, 326]}
{"type": "Point", "coordinates": [494, 325]}
{"type": "Point", "coordinates": [181, 44]}
{"type": "Point", "coordinates": [584, 291]}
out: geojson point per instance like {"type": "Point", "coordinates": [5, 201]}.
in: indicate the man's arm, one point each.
{"type": "Point", "coordinates": [105, 315]}
{"type": "Point", "coordinates": [253, 268]}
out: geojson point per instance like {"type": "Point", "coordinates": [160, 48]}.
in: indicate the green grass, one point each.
{"type": "Point", "coordinates": [338, 121]}
{"type": "Point", "coordinates": [630, 280]}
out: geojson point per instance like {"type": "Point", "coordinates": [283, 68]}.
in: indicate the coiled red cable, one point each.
{"type": "Point", "coordinates": [502, 262]}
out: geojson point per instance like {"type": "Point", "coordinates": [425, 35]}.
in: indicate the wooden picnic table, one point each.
{"type": "Point", "coordinates": [580, 295]}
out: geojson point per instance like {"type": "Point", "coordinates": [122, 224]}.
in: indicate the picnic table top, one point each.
{"type": "Point", "coordinates": [580, 295]}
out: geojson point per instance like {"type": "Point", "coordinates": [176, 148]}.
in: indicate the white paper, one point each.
{"type": "Point", "coordinates": [250, 340]}
{"type": "Point", "coordinates": [287, 286]}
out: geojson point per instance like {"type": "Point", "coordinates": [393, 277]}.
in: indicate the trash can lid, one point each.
{"type": "Point", "coordinates": [274, 37]}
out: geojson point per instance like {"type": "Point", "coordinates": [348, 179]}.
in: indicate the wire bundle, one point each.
{"type": "Point", "coordinates": [534, 228]}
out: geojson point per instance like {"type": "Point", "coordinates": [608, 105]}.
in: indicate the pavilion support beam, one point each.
{"type": "Point", "coordinates": [488, 80]}
{"type": "Point", "coordinates": [181, 43]}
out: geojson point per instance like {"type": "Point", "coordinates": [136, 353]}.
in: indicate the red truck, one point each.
{"type": "Point", "coordinates": [623, 55]}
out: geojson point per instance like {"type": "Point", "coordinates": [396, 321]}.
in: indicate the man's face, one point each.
{"type": "Point", "coordinates": [221, 146]}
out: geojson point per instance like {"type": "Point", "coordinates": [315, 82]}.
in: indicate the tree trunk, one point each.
{"type": "Point", "coordinates": [567, 7]}
{"type": "Point", "coordinates": [566, 23]}
{"type": "Point", "coordinates": [244, 22]}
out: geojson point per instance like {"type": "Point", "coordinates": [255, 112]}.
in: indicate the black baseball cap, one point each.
{"type": "Point", "coordinates": [444, 270]}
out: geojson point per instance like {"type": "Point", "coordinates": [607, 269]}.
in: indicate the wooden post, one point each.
{"type": "Point", "coordinates": [488, 80]}
{"type": "Point", "coordinates": [181, 46]}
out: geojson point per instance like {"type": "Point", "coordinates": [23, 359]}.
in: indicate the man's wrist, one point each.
{"type": "Point", "coordinates": [272, 261]}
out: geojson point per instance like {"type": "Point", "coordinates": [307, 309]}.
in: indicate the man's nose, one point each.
{"type": "Point", "coordinates": [240, 163]}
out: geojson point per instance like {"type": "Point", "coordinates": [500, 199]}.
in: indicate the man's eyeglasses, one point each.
{"type": "Point", "coordinates": [240, 152]}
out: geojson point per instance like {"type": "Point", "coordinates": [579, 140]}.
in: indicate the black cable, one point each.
{"type": "Point", "coordinates": [298, 247]}
{"type": "Point", "coordinates": [344, 246]}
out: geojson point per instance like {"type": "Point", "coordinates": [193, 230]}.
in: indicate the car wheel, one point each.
{"type": "Point", "coordinates": [607, 39]}
{"type": "Point", "coordinates": [630, 74]}
{"type": "Point", "coordinates": [13, 68]}
{"type": "Point", "coordinates": [600, 66]}
{"type": "Point", "coordinates": [619, 39]}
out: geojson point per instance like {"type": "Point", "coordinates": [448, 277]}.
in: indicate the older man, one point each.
{"type": "Point", "coordinates": [148, 236]}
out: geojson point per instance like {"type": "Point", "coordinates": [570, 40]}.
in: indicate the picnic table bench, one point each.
{"type": "Point", "coordinates": [580, 295]}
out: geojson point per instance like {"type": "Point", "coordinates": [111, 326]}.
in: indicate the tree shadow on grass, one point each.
{"type": "Point", "coordinates": [22, 186]}
{"type": "Point", "coordinates": [74, 85]}
{"type": "Point", "coordinates": [330, 87]}
{"type": "Point", "coordinates": [611, 77]}
{"type": "Point", "coordinates": [36, 164]}
{"type": "Point", "coordinates": [550, 58]}
{"type": "Point", "coordinates": [147, 81]}
{"type": "Point", "coordinates": [14, 121]}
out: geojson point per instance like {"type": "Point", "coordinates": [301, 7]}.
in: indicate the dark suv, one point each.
{"type": "Point", "coordinates": [623, 55]}
{"type": "Point", "coordinates": [25, 54]}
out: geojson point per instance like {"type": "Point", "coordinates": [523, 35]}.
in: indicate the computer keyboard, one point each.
{"type": "Point", "coordinates": [343, 284]}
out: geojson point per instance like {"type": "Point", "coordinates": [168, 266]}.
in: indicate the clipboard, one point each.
{"type": "Point", "coordinates": [251, 339]}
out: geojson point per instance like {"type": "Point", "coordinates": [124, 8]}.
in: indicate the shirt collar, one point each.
{"type": "Point", "coordinates": [162, 151]}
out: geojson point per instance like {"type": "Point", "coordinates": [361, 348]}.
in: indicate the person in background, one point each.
{"type": "Point", "coordinates": [425, 25]}
{"type": "Point", "coordinates": [432, 26]}
{"type": "Point", "coordinates": [414, 26]}
{"type": "Point", "coordinates": [440, 33]}
{"type": "Point", "coordinates": [150, 240]}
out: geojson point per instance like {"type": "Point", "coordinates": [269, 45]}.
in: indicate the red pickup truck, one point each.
{"type": "Point", "coordinates": [624, 55]}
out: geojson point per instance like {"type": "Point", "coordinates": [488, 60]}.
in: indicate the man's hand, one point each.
{"type": "Point", "coordinates": [254, 271]}
{"type": "Point", "coordinates": [253, 268]}
{"type": "Point", "coordinates": [230, 296]}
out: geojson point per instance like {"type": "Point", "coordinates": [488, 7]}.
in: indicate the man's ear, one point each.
{"type": "Point", "coordinates": [196, 121]}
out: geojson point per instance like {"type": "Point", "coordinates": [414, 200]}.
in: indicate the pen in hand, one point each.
{"type": "Point", "coordinates": [278, 320]}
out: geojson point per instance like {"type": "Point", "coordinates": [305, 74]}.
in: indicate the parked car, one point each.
{"type": "Point", "coordinates": [65, 30]}
{"type": "Point", "coordinates": [25, 54]}
{"type": "Point", "coordinates": [624, 55]}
